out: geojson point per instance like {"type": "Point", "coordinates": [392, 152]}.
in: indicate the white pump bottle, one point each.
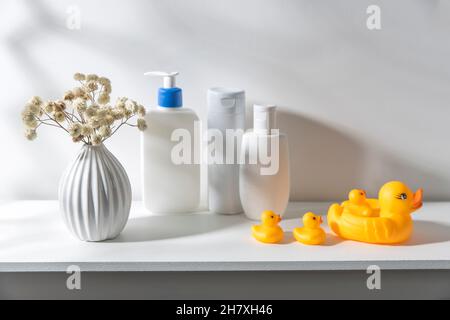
{"type": "Point", "coordinates": [265, 176]}
{"type": "Point", "coordinates": [171, 153]}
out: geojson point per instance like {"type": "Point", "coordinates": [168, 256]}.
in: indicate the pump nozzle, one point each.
{"type": "Point", "coordinates": [169, 96]}
{"type": "Point", "coordinates": [169, 78]}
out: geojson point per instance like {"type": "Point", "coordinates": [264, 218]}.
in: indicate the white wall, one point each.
{"type": "Point", "coordinates": [361, 107]}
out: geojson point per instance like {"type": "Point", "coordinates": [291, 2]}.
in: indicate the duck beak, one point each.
{"type": "Point", "coordinates": [418, 199]}
{"type": "Point", "coordinates": [321, 220]}
{"type": "Point", "coordinates": [280, 219]}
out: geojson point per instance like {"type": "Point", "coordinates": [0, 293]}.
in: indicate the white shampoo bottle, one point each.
{"type": "Point", "coordinates": [265, 176]}
{"type": "Point", "coordinates": [226, 124]}
{"type": "Point", "coordinates": [171, 153]}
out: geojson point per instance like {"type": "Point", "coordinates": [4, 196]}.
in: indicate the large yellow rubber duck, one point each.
{"type": "Point", "coordinates": [392, 223]}
{"type": "Point", "coordinates": [311, 234]}
{"type": "Point", "coordinates": [269, 231]}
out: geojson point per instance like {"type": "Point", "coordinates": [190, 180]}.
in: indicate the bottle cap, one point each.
{"type": "Point", "coordinates": [169, 95]}
{"type": "Point", "coordinates": [265, 118]}
{"type": "Point", "coordinates": [226, 101]}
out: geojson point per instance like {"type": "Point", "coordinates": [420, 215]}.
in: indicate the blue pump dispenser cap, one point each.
{"type": "Point", "coordinates": [170, 98]}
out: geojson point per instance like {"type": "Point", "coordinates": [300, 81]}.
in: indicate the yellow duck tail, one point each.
{"type": "Point", "coordinates": [334, 217]}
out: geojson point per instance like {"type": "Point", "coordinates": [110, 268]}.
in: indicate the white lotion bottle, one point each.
{"type": "Point", "coordinates": [265, 176]}
{"type": "Point", "coordinates": [226, 115]}
{"type": "Point", "coordinates": [171, 153]}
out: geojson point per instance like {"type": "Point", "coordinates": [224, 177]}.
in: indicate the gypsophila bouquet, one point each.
{"type": "Point", "coordinates": [84, 112]}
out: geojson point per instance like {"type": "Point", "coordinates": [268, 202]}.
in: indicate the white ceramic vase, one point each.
{"type": "Point", "coordinates": [95, 195]}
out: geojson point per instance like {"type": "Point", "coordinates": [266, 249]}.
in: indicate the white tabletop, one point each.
{"type": "Point", "coordinates": [34, 239]}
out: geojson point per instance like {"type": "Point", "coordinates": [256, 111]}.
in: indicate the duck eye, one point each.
{"type": "Point", "coordinates": [273, 217]}
{"type": "Point", "coordinates": [314, 219]}
{"type": "Point", "coordinates": [402, 196]}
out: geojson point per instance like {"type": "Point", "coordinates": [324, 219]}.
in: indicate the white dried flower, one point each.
{"type": "Point", "coordinates": [104, 81]}
{"type": "Point", "coordinates": [80, 105]}
{"type": "Point", "coordinates": [141, 111]}
{"type": "Point", "coordinates": [105, 131]}
{"type": "Point", "coordinates": [109, 120]}
{"type": "Point", "coordinates": [142, 124]}
{"type": "Point", "coordinates": [104, 98]}
{"type": "Point", "coordinates": [128, 113]}
{"type": "Point", "coordinates": [60, 116]}
{"type": "Point", "coordinates": [107, 88]}
{"type": "Point", "coordinates": [90, 112]}
{"type": "Point", "coordinates": [91, 86]}
{"type": "Point", "coordinates": [96, 140]}
{"type": "Point", "coordinates": [79, 92]}
{"type": "Point", "coordinates": [86, 130]}
{"type": "Point", "coordinates": [95, 122]}
{"type": "Point", "coordinates": [31, 134]}
{"type": "Point", "coordinates": [37, 101]}
{"type": "Point", "coordinates": [118, 114]}
{"type": "Point", "coordinates": [33, 109]}
{"type": "Point", "coordinates": [132, 106]}
{"type": "Point", "coordinates": [59, 106]}
{"type": "Point", "coordinates": [49, 107]}
{"type": "Point", "coordinates": [92, 77]}
{"type": "Point", "coordinates": [75, 130]}
{"type": "Point", "coordinates": [79, 77]}
{"type": "Point", "coordinates": [69, 96]}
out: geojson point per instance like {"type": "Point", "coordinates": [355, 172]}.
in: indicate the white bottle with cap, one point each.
{"type": "Point", "coordinates": [265, 176]}
{"type": "Point", "coordinates": [171, 153]}
{"type": "Point", "coordinates": [226, 116]}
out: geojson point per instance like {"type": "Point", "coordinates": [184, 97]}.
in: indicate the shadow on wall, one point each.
{"type": "Point", "coordinates": [327, 163]}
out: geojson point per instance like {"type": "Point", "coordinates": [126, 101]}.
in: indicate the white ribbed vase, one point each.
{"type": "Point", "coordinates": [95, 195]}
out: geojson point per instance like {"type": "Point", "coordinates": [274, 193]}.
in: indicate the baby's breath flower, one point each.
{"type": "Point", "coordinates": [92, 77]}
{"type": "Point", "coordinates": [60, 106]}
{"type": "Point", "coordinates": [142, 124]}
{"type": "Point", "coordinates": [107, 88]}
{"type": "Point", "coordinates": [120, 104]}
{"type": "Point", "coordinates": [75, 130]}
{"type": "Point", "coordinates": [104, 81]}
{"type": "Point", "coordinates": [60, 116]}
{"type": "Point", "coordinates": [69, 96]}
{"type": "Point", "coordinates": [95, 122]}
{"type": "Point", "coordinates": [96, 140]}
{"type": "Point", "coordinates": [28, 116]}
{"type": "Point", "coordinates": [31, 134]}
{"type": "Point", "coordinates": [91, 86]}
{"type": "Point", "coordinates": [79, 92]}
{"type": "Point", "coordinates": [105, 131]}
{"type": "Point", "coordinates": [101, 113]}
{"type": "Point", "coordinates": [86, 130]}
{"type": "Point", "coordinates": [79, 77]}
{"type": "Point", "coordinates": [91, 112]}
{"type": "Point", "coordinates": [142, 112]}
{"type": "Point", "coordinates": [118, 114]}
{"type": "Point", "coordinates": [132, 106]}
{"type": "Point", "coordinates": [37, 101]}
{"type": "Point", "coordinates": [104, 98]}
{"type": "Point", "coordinates": [33, 109]}
{"type": "Point", "coordinates": [79, 105]}
{"type": "Point", "coordinates": [49, 107]}
{"type": "Point", "coordinates": [128, 113]}
{"type": "Point", "coordinates": [109, 120]}
{"type": "Point", "coordinates": [77, 139]}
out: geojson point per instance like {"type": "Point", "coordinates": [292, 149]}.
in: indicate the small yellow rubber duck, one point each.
{"type": "Point", "coordinates": [392, 225]}
{"type": "Point", "coordinates": [269, 231]}
{"type": "Point", "coordinates": [357, 203]}
{"type": "Point", "coordinates": [311, 234]}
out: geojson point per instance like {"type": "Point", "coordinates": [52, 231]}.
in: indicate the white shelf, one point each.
{"type": "Point", "coordinates": [34, 239]}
